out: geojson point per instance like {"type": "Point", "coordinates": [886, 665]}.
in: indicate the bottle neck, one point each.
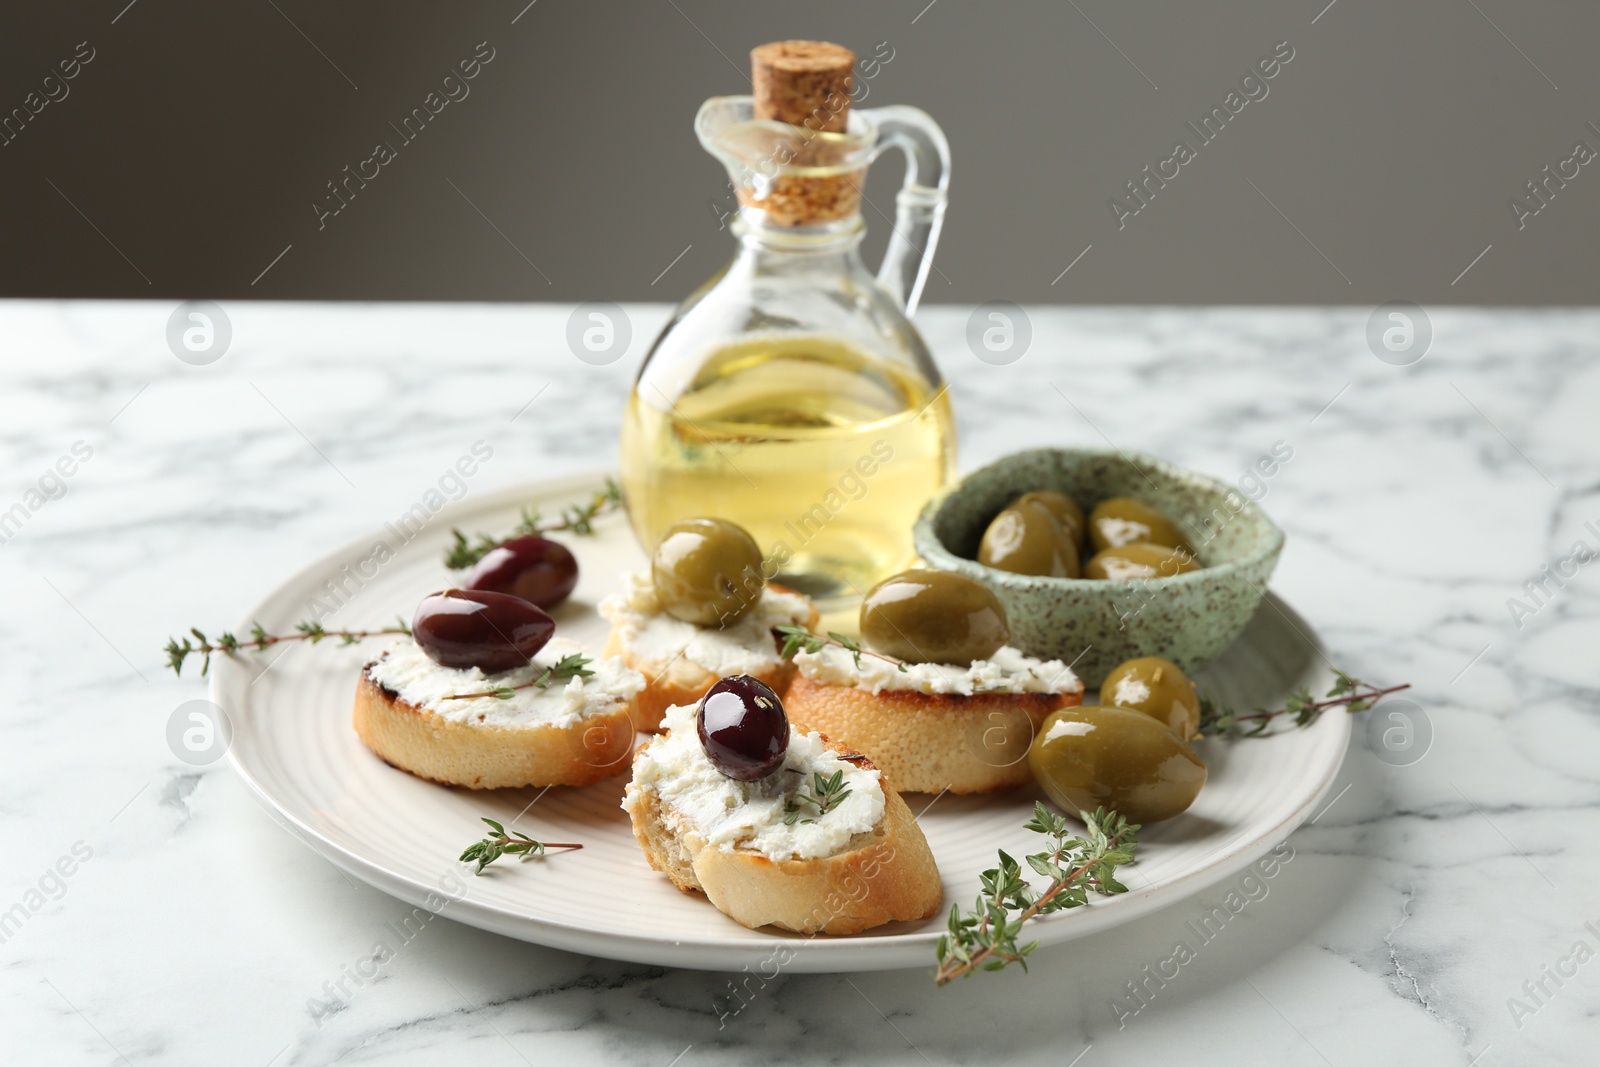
{"type": "Point", "coordinates": [757, 236]}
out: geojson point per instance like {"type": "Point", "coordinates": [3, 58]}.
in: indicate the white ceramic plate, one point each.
{"type": "Point", "coordinates": [293, 744]}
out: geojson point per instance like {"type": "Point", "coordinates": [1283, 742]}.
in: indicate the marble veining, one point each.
{"type": "Point", "coordinates": [1431, 914]}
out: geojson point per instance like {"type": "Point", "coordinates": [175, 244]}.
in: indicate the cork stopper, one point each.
{"type": "Point", "coordinates": [805, 84]}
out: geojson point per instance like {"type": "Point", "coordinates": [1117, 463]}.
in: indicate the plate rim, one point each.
{"type": "Point", "coordinates": [810, 953]}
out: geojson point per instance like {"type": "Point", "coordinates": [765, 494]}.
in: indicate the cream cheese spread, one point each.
{"type": "Point", "coordinates": [406, 670]}
{"type": "Point", "coordinates": [750, 815]}
{"type": "Point", "coordinates": [1007, 671]}
{"type": "Point", "coordinates": [745, 646]}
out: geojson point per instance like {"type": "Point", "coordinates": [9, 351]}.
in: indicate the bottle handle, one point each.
{"type": "Point", "coordinates": [919, 207]}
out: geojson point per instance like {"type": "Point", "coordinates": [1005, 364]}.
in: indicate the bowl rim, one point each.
{"type": "Point", "coordinates": [937, 554]}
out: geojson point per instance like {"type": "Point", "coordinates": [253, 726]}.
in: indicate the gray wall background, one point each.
{"type": "Point", "coordinates": [185, 157]}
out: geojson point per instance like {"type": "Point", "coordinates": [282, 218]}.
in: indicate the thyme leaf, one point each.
{"type": "Point", "coordinates": [800, 639]}
{"type": "Point", "coordinates": [178, 650]}
{"type": "Point", "coordinates": [575, 665]}
{"type": "Point", "coordinates": [1218, 720]}
{"type": "Point", "coordinates": [501, 843]}
{"type": "Point", "coordinates": [827, 792]}
{"type": "Point", "coordinates": [464, 551]}
{"type": "Point", "coordinates": [985, 938]}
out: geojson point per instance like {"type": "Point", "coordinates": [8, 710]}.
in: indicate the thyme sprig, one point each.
{"type": "Point", "coordinates": [1357, 696]}
{"type": "Point", "coordinates": [796, 638]}
{"type": "Point", "coordinates": [574, 666]}
{"type": "Point", "coordinates": [578, 519]}
{"type": "Point", "coordinates": [827, 792]}
{"type": "Point", "coordinates": [501, 843]}
{"type": "Point", "coordinates": [178, 651]}
{"type": "Point", "coordinates": [986, 937]}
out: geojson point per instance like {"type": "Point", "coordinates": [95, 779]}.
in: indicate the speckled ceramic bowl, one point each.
{"type": "Point", "coordinates": [1190, 619]}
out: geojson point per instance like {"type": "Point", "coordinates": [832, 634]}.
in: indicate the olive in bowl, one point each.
{"type": "Point", "coordinates": [1139, 560]}
{"type": "Point", "coordinates": [1028, 538]}
{"type": "Point", "coordinates": [1068, 512]}
{"type": "Point", "coordinates": [1190, 617]}
{"type": "Point", "coordinates": [1124, 520]}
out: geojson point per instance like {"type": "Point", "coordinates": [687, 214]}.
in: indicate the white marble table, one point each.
{"type": "Point", "coordinates": [156, 915]}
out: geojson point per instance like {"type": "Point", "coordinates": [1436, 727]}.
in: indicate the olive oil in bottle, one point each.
{"type": "Point", "coordinates": [823, 452]}
{"type": "Point", "coordinates": [791, 393]}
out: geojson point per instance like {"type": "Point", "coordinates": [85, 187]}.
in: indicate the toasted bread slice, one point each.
{"type": "Point", "coordinates": [882, 875]}
{"type": "Point", "coordinates": [930, 742]}
{"type": "Point", "coordinates": [479, 753]}
{"type": "Point", "coordinates": [681, 680]}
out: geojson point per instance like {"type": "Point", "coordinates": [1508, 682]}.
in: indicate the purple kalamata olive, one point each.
{"type": "Point", "coordinates": [743, 728]}
{"type": "Point", "coordinates": [462, 628]}
{"type": "Point", "coordinates": [537, 569]}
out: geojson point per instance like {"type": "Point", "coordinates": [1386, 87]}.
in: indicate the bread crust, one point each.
{"type": "Point", "coordinates": [884, 875]}
{"type": "Point", "coordinates": [490, 755]}
{"type": "Point", "coordinates": [932, 742]}
{"type": "Point", "coordinates": [679, 682]}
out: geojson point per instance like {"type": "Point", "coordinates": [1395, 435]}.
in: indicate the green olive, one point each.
{"type": "Point", "coordinates": [1122, 520]}
{"type": "Point", "coordinates": [1139, 561]}
{"type": "Point", "coordinates": [1087, 758]}
{"type": "Point", "coordinates": [1066, 510]}
{"type": "Point", "coordinates": [928, 616]}
{"type": "Point", "coordinates": [1158, 688]}
{"type": "Point", "coordinates": [707, 571]}
{"type": "Point", "coordinates": [1026, 538]}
